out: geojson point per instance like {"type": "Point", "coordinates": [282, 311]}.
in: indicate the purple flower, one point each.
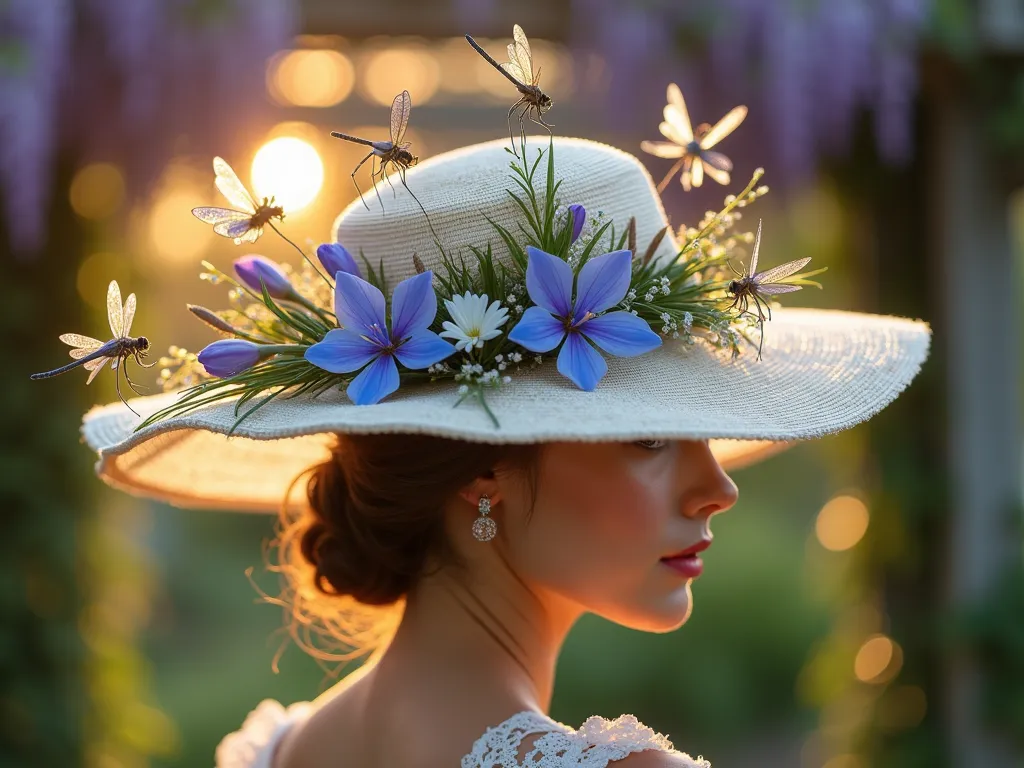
{"type": "Point", "coordinates": [250, 269]}
{"type": "Point", "coordinates": [229, 356]}
{"type": "Point", "coordinates": [336, 258]}
{"type": "Point", "coordinates": [364, 341]}
{"type": "Point", "coordinates": [602, 283]}
{"type": "Point", "coordinates": [579, 216]}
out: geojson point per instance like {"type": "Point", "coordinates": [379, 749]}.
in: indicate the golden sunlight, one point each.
{"type": "Point", "coordinates": [289, 170]}
{"type": "Point", "coordinates": [841, 523]}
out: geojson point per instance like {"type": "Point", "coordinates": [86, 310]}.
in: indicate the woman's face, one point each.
{"type": "Point", "coordinates": [605, 515]}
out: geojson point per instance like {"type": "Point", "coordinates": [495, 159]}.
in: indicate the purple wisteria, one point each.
{"type": "Point", "coordinates": [365, 343]}
{"type": "Point", "coordinates": [602, 283]}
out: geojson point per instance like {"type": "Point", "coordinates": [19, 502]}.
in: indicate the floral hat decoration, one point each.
{"type": "Point", "coordinates": [503, 293]}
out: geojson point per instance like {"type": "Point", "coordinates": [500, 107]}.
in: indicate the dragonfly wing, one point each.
{"type": "Point", "coordinates": [514, 71]}
{"type": "Point", "coordinates": [520, 52]}
{"type": "Point", "coordinates": [775, 274]}
{"type": "Point", "coordinates": [95, 366]}
{"type": "Point", "coordinates": [129, 315]}
{"type": "Point", "coordinates": [724, 127]}
{"type": "Point", "coordinates": [682, 117]}
{"type": "Point", "coordinates": [229, 185]}
{"type": "Point", "coordinates": [716, 160]}
{"type": "Point", "coordinates": [234, 228]}
{"type": "Point", "coordinates": [77, 354]}
{"type": "Point", "coordinates": [722, 177]}
{"type": "Point", "coordinates": [697, 172]}
{"type": "Point", "coordinates": [78, 340]}
{"type": "Point", "coordinates": [217, 215]}
{"type": "Point", "coordinates": [752, 268]}
{"type": "Point", "coordinates": [115, 313]}
{"type": "Point", "coordinates": [662, 148]}
{"type": "Point", "coordinates": [671, 132]}
{"type": "Point", "coordinates": [400, 109]}
{"type": "Point", "coordinates": [772, 288]}
{"type": "Point", "coordinates": [684, 177]}
{"type": "Point", "coordinates": [251, 236]}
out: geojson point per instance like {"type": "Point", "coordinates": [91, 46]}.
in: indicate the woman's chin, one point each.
{"type": "Point", "coordinates": [666, 614]}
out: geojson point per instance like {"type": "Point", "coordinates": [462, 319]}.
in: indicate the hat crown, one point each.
{"type": "Point", "coordinates": [462, 189]}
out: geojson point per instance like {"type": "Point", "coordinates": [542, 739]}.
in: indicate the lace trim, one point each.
{"type": "Point", "coordinates": [252, 745]}
{"type": "Point", "coordinates": [598, 742]}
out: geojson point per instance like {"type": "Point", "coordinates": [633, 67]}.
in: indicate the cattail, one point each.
{"type": "Point", "coordinates": [417, 263]}
{"type": "Point", "coordinates": [631, 236]}
{"type": "Point", "coordinates": [655, 242]}
{"type": "Point", "coordinates": [213, 320]}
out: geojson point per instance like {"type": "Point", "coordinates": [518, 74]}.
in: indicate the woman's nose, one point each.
{"type": "Point", "coordinates": [710, 489]}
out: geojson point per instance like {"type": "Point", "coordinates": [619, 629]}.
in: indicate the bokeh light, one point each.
{"type": "Point", "coordinates": [97, 191]}
{"type": "Point", "coordinates": [841, 523]}
{"type": "Point", "coordinates": [388, 72]}
{"type": "Point", "coordinates": [878, 660]}
{"type": "Point", "coordinates": [94, 275]}
{"type": "Point", "coordinates": [289, 170]}
{"type": "Point", "coordinates": [310, 78]}
{"type": "Point", "coordinates": [173, 232]}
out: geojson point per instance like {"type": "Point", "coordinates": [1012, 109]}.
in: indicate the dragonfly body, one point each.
{"type": "Point", "coordinates": [757, 286]}
{"type": "Point", "coordinates": [92, 354]}
{"type": "Point", "coordinates": [518, 70]}
{"type": "Point", "coordinates": [393, 152]}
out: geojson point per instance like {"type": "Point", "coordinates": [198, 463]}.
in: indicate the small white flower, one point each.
{"type": "Point", "coordinates": [475, 321]}
{"type": "Point", "coordinates": [515, 357]}
{"type": "Point", "coordinates": [463, 389]}
{"type": "Point", "coordinates": [506, 379]}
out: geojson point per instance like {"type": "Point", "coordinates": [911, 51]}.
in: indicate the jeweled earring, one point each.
{"type": "Point", "coordinates": [484, 527]}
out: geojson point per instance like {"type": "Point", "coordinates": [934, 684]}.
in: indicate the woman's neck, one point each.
{"type": "Point", "coordinates": [496, 633]}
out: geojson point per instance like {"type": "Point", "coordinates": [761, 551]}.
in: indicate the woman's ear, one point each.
{"type": "Point", "coordinates": [481, 486]}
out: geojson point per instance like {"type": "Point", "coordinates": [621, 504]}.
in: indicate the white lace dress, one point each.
{"type": "Point", "coordinates": [598, 741]}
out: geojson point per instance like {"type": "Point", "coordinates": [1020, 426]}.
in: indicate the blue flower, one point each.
{"type": "Point", "coordinates": [602, 283]}
{"type": "Point", "coordinates": [579, 216]}
{"type": "Point", "coordinates": [364, 341]}
{"type": "Point", "coordinates": [227, 357]}
{"type": "Point", "coordinates": [336, 258]}
{"type": "Point", "coordinates": [250, 269]}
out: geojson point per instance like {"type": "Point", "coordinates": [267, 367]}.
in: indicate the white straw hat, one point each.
{"type": "Point", "coordinates": [821, 371]}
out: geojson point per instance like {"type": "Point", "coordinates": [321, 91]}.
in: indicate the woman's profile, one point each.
{"type": "Point", "coordinates": [517, 408]}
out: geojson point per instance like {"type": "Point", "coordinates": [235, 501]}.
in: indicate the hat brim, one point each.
{"type": "Point", "coordinates": [822, 371]}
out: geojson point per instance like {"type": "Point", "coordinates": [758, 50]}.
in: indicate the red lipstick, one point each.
{"type": "Point", "coordinates": [687, 562]}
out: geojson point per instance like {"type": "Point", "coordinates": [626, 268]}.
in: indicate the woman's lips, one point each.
{"type": "Point", "coordinates": [690, 566]}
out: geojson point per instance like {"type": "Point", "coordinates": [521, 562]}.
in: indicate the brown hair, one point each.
{"type": "Point", "coordinates": [373, 523]}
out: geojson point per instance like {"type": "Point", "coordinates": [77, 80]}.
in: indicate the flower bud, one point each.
{"type": "Point", "coordinates": [579, 216]}
{"type": "Point", "coordinates": [336, 258]}
{"type": "Point", "coordinates": [251, 269]}
{"type": "Point", "coordinates": [227, 357]}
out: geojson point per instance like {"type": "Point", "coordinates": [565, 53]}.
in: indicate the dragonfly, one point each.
{"type": "Point", "coordinates": [91, 353]}
{"type": "Point", "coordinates": [394, 152]}
{"type": "Point", "coordinates": [519, 70]}
{"type": "Point", "coordinates": [693, 149]}
{"type": "Point", "coordinates": [757, 286]}
{"type": "Point", "coordinates": [244, 225]}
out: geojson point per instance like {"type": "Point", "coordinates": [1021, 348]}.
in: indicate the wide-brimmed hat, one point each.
{"type": "Point", "coordinates": [820, 371]}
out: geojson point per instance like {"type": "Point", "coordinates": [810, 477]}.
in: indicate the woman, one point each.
{"type": "Point", "coordinates": [460, 544]}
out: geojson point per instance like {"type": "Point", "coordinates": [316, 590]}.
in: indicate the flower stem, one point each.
{"type": "Point", "coordinates": [301, 253]}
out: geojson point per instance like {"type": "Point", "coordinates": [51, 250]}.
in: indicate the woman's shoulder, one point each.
{"type": "Point", "coordinates": [531, 738]}
{"type": "Point", "coordinates": [526, 738]}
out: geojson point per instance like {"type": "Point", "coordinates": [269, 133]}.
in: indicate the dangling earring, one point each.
{"type": "Point", "coordinates": [484, 527]}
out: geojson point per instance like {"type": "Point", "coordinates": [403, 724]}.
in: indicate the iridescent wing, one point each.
{"type": "Point", "coordinates": [217, 215]}
{"type": "Point", "coordinates": [752, 267]}
{"type": "Point", "coordinates": [523, 55]}
{"type": "Point", "coordinates": [236, 228]}
{"type": "Point", "coordinates": [676, 114]}
{"type": "Point", "coordinates": [129, 315]}
{"type": "Point", "coordinates": [115, 312]}
{"type": "Point", "coordinates": [775, 274]}
{"type": "Point", "coordinates": [83, 342]}
{"type": "Point", "coordinates": [724, 127]}
{"type": "Point", "coordinates": [95, 366]}
{"type": "Point", "coordinates": [716, 160]}
{"type": "Point", "coordinates": [662, 148]}
{"type": "Point", "coordinates": [778, 288]}
{"type": "Point", "coordinates": [400, 109]}
{"type": "Point", "coordinates": [229, 185]}
{"type": "Point", "coordinates": [684, 177]}
{"type": "Point", "coordinates": [671, 132]}
{"type": "Point", "coordinates": [722, 177]}
{"type": "Point", "coordinates": [250, 236]}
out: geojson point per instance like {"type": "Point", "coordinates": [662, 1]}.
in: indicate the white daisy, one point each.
{"type": "Point", "coordinates": [475, 321]}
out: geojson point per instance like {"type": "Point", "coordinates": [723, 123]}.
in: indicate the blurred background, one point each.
{"type": "Point", "coordinates": [864, 604]}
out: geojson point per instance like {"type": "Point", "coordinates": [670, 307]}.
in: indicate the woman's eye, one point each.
{"type": "Point", "coordinates": [653, 444]}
